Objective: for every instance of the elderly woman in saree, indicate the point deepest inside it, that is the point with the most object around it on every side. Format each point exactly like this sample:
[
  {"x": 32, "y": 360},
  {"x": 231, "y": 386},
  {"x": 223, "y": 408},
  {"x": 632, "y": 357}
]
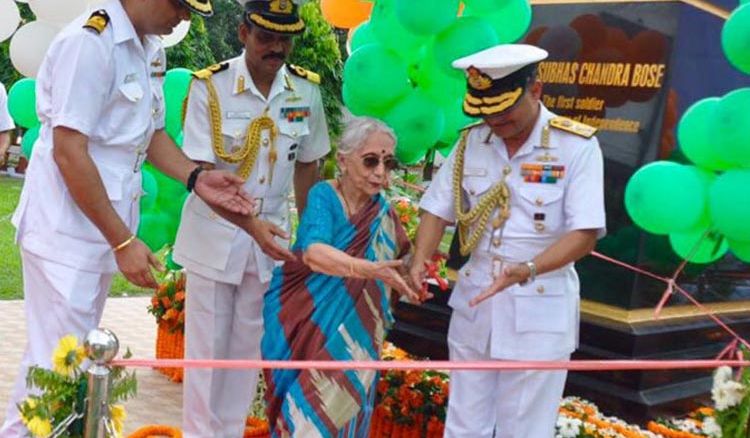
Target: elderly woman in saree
[{"x": 333, "y": 303}]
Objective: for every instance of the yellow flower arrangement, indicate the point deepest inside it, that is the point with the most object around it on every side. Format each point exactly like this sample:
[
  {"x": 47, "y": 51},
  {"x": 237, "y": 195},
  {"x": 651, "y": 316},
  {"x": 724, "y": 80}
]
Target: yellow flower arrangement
[{"x": 59, "y": 402}]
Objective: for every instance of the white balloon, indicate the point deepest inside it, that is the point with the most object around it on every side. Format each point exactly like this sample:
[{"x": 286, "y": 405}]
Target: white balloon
[
  {"x": 57, "y": 11},
  {"x": 9, "y": 19},
  {"x": 29, "y": 45},
  {"x": 177, "y": 35}
]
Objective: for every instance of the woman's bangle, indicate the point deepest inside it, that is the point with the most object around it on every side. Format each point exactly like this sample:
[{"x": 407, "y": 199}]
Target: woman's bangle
[{"x": 124, "y": 244}]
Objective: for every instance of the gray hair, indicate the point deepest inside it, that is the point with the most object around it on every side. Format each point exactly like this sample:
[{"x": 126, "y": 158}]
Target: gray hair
[{"x": 358, "y": 129}]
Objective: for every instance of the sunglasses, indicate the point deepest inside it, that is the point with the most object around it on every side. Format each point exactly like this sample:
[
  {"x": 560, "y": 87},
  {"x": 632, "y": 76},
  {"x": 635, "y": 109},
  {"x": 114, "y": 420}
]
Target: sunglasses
[{"x": 372, "y": 161}]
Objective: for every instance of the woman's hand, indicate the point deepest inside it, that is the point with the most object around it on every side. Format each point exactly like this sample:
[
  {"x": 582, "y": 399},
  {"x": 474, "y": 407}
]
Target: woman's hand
[{"x": 389, "y": 273}]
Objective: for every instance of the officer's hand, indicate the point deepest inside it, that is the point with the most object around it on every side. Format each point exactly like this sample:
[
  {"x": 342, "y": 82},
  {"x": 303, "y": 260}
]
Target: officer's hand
[
  {"x": 418, "y": 279},
  {"x": 135, "y": 262},
  {"x": 388, "y": 272},
  {"x": 511, "y": 275},
  {"x": 264, "y": 232},
  {"x": 224, "y": 190}
]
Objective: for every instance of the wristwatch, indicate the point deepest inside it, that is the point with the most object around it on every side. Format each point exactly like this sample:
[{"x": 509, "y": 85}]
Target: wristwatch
[
  {"x": 532, "y": 272},
  {"x": 193, "y": 178}
]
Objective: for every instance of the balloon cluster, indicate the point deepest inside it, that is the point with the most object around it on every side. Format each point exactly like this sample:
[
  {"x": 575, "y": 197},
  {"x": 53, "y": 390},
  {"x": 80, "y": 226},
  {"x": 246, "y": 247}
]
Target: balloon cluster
[
  {"x": 399, "y": 68},
  {"x": 703, "y": 207},
  {"x": 30, "y": 42}
]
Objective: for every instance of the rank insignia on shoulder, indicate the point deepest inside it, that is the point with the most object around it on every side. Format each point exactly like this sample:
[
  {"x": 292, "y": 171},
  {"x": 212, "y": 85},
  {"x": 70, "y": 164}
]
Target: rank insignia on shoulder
[
  {"x": 98, "y": 21},
  {"x": 572, "y": 126},
  {"x": 304, "y": 73},
  {"x": 210, "y": 70},
  {"x": 472, "y": 125}
]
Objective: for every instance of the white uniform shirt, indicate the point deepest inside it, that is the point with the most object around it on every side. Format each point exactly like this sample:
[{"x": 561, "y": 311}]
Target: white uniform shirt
[
  {"x": 6, "y": 122},
  {"x": 107, "y": 86},
  {"x": 208, "y": 244},
  {"x": 538, "y": 320}
]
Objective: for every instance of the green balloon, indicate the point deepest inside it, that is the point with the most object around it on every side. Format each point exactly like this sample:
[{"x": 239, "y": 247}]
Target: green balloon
[
  {"x": 699, "y": 246},
  {"x": 455, "y": 120},
  {"x": 22, "y": 103},
  {"x": 730, "y": 126},
  {"x": 418, "y": 123},
  {"x": 362, "y": 35},
  {"x": 467, "y": 35},
  {"x": 741, "y": 250},
  {"x": 442, "y": 86},
  {"x": 176, "y": 87},
  {"x": 510, "y": 18},
  {"x": 171, "y": 264},
  {"x": 422, "y": 20},
  {"x": 389, "y": 31},
  {"x": 665, "y": 197},
  {"x": 728, "y": 206},
  {"x": 484, "y": 6},
  {"x": 150, "y": 190},
  {"x": 374, "y": 78},
  {"x": 735, "y": 38},
  {"x": 697, "y": 138},
  {"x": 28, "y": 141},
  {"x": 155, "y": 230}
]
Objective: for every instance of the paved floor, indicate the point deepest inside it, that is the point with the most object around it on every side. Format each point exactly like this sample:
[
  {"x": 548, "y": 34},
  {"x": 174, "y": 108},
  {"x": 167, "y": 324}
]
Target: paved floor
[{"x": 158, "y": 401}]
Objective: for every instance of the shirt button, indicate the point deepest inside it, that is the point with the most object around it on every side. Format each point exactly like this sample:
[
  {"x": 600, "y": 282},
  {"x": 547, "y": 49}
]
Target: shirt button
[
  {"x": 135, "y": 196},
  {"x": 540, "y": 289},
  {"x": 539, "y": 226},
  {"x": 496, "y": 241},
  {"x": 262, "y": 180},
  {"x": 467, "y": 272},
  {"x": 294, "y": 133},
  {"x": 539, "y": 202},
  {"x": 265, "y": 142},
  {"x": 472, "y": 192},
  {"x": 507, "y": 170}
]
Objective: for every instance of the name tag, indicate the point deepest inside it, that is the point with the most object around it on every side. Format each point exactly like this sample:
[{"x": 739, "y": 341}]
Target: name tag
[
  {"x": 245, "y": 115},
  {"x": 475, "y": 171}
]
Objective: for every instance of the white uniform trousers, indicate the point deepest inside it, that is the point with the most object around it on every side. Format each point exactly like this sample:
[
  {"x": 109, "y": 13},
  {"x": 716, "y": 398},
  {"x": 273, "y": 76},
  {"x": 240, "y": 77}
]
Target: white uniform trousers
[
  {"x": 59, "y": 300},
  {"x": 223, "y": 321},
  {"x": 515, "y": 404}
]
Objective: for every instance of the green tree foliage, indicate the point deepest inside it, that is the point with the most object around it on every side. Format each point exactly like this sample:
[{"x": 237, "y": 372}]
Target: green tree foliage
[
  {"x": 222, "y": 29},
  {"x": 193, "y": 52},
  {"x": 317, "y": 49}
]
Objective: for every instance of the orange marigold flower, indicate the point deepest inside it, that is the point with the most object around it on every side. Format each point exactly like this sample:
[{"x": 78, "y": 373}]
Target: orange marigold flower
[
  {"x": 413, "y": 377},
  {"x": 154, "y": 302},
  {"x": 438, "y": 398},
  {"x": 179, "y": 296},
  {"x": 404, "y": 218},
  {"x": 382, "y": 387},
  {"x": 166, "y": 302},
  {"x": 171, "y": 314}
]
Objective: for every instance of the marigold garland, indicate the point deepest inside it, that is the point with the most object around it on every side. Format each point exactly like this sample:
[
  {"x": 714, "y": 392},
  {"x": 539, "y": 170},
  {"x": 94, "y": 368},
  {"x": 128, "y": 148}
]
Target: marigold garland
[
  {"x": 668, "y": 432},
  {"x": 157, "y": 430}
]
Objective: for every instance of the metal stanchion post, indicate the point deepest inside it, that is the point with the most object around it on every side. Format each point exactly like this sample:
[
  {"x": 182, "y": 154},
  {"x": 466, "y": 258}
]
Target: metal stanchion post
[{"x": 101, "y": 347}]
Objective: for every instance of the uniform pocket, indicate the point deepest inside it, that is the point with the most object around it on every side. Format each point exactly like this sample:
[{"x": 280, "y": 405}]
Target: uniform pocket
[
  {"x": 73, "y": 222},
  {"x": 544, "y": 206},
  {"x": 203, "y": 236},
  {"x": 542, "y": 306}
]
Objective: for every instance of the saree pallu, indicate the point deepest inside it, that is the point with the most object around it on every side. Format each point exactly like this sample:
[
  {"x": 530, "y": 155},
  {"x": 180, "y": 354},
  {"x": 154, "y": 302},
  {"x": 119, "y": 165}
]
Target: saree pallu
[{"x": 313, "y": 316}]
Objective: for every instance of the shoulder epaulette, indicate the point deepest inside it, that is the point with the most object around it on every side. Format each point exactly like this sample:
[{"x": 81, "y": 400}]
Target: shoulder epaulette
[
  {"x": 210, "y": 70},
  {"x": 572, "y": 126},
  {"x": 98, "y": 21},
  {"x": 472, "y": 125},
  {"x": 304, "y": 73}
]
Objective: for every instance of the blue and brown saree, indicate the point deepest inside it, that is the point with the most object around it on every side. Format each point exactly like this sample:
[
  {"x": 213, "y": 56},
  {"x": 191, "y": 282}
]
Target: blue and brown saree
[{"x": 313, "y": 316}]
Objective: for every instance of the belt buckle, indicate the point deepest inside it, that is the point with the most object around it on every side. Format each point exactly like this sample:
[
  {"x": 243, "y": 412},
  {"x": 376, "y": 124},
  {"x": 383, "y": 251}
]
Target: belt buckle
[
  {"x": 497, "y": 267},
  {"x": 258, "y": 209}
]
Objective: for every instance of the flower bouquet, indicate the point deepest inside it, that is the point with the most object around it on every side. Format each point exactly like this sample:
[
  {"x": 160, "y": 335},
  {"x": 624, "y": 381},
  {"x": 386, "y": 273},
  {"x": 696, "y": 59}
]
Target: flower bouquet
[
  {"x": 57, "y": 409},
  {"x": 409, "y": 403},
  {"x": 168, "y": 307}
]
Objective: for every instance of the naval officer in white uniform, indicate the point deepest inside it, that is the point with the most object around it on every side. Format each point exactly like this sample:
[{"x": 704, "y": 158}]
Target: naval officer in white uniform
[
  {"x": 525, "y": 189},
  {"x": 264, "y": 120},
  {"x": 100, "y": 103}
]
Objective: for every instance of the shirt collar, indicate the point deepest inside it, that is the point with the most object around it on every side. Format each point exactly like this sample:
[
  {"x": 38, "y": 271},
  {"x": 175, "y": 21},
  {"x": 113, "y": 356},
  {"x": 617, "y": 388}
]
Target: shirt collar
[
  {"x": 243, "y": 81},
  {"x": 122, "y": 27}
]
